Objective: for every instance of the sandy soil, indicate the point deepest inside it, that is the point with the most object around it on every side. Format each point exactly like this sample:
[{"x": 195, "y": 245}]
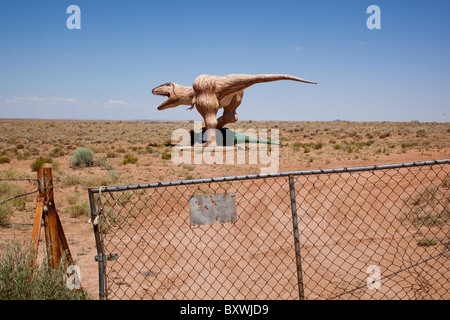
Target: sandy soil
[
  {"x": 343, "y": 228},
  {"x": 166, "y": 258}
]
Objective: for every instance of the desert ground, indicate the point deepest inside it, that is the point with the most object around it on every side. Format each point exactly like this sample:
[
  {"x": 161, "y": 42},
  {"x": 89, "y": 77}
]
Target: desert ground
[{"x": 133, "y": 152}]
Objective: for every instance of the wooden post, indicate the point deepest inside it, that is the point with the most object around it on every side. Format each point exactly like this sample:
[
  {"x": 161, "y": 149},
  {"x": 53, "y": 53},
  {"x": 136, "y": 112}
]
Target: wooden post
[
  {"x": 46, "y": 211},
  {"x": 37, "y": 227}
]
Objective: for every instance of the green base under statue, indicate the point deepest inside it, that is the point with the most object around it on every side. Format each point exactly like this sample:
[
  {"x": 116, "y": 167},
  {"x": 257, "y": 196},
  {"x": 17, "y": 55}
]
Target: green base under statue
[{"x": 225, "y": 137}]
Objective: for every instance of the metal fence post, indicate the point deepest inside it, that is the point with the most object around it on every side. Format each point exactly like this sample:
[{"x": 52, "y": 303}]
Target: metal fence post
[
  {"x": 298, "y": 258},
  {"x": 100, "y": 250}
]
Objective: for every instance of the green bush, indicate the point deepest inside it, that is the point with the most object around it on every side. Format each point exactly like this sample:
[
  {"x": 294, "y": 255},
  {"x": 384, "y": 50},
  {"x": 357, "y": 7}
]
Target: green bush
[
  {"x": 446, "y": 182},
  {"x": 70, "y": 180},
  {"x": 72, "y": 198},
  {"x": 41, "y": 160},
  {"x": 104, "y": 164},
  {"x": 83, "y": 157},
  {"x": 426, "y": 242},
  {"x": 166, "y": 155},
  {"x": 57, "y": 152},
  {"x": 129, "y": 159},
  {"x": 36, "y": 165},
  {"x": 5, "y": 160},
  {"x": 8, "y": 190},
  {"x": 78, "y": 210},
  {"x": 19, "y": 203},
  {"x": 20, "y": 280},
  {"x": 5, "y": 212},
  {"x": 296, "y": 146},
  {"x": 318, "y": 145}
]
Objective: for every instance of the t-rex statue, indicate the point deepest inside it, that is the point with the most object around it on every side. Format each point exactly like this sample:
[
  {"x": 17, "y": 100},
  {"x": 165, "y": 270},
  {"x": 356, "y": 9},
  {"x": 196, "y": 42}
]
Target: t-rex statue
[{"x": 210, "y": 93}]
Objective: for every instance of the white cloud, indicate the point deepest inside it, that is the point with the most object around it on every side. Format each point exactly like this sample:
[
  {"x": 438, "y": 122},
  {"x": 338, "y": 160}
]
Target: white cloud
[
  {"x": 120, "y": 103},
  {"x": 67, "y": 107},
  {"x": 110, "y": 101},
  {"x": 64, "y": 99},
  {"x": 39, "y": 99},
  {"x": 53, "y": 100}
]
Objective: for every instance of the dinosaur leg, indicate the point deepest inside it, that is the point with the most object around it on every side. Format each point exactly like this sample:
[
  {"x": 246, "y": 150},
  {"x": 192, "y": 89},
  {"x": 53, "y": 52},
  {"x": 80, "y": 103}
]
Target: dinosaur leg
[
  {"x": 229, "y": 111},
  {"x": 207, "y": 105},
  {"x": 210, "y": 123}
]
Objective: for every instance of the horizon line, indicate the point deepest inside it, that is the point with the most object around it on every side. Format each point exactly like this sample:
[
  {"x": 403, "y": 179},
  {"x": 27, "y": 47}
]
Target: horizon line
[{"x": 167, "y": 120}]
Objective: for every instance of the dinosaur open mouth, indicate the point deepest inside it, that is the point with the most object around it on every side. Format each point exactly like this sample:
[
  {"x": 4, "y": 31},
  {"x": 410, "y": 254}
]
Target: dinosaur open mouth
[{"x": 166, "y": 102}]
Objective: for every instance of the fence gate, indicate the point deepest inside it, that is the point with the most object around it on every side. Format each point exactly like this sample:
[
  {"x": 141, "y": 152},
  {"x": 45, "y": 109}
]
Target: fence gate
[{"x": 377, "y": 232}]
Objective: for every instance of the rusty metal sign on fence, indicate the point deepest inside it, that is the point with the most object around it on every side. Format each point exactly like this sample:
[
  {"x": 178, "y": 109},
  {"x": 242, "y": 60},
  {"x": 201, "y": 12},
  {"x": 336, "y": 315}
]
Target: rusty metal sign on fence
[{"x": 212, "y": 208}]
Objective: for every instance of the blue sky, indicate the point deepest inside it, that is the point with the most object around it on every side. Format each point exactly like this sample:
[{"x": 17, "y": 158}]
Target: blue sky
[{"x": 106, "y": 70}]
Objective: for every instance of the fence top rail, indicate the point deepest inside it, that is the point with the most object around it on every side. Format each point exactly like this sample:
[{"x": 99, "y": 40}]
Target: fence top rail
[{"x": 269, "y": 175}]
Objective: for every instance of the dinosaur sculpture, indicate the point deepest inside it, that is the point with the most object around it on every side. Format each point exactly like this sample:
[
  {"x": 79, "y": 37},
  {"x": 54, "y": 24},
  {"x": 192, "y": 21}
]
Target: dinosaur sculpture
[{"x": 210, "y": 93}]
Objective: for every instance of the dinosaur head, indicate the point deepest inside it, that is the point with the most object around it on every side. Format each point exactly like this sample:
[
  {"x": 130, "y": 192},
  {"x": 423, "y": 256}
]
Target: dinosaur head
[{"x": 176, "y": 95}]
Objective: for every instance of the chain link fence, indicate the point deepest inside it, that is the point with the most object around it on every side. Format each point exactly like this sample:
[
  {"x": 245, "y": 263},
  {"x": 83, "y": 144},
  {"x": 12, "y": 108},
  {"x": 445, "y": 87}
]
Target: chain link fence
[{"x": 378, "y": 232}]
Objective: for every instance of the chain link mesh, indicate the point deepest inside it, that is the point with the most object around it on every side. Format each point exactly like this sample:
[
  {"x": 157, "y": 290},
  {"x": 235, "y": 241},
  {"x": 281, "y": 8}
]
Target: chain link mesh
[{"x": 364, "y": 234}]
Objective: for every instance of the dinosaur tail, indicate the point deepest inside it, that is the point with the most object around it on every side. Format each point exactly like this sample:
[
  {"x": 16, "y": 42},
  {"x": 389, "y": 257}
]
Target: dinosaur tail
[
  {"x": 237, "y": 82},
  {"x": 242, "y": 138},
  {"x": 259, "y": 78}
]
